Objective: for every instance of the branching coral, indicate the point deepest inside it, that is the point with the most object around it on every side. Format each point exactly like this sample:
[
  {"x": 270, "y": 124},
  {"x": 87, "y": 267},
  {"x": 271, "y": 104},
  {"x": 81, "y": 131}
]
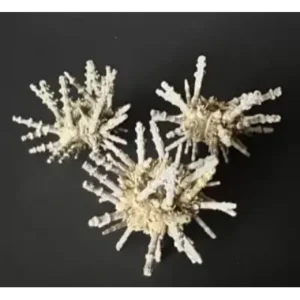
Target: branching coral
[
  {"x": 155, "y": 196},
  {"x": 215, "y": 123},
  {"x": 85, "y": 122}
]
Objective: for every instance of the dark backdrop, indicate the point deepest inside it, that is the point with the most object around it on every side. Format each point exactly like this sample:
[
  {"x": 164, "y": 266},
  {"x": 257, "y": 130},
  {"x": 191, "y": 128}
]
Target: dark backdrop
[{"x": 45, "y": 240}]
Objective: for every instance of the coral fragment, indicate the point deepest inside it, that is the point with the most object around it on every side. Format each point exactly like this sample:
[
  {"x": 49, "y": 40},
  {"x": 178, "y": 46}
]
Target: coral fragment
[
  {"x": 215, "y": 123},
  {"x": 85, "y": 122},
  {"x": 156, "y": 196}
]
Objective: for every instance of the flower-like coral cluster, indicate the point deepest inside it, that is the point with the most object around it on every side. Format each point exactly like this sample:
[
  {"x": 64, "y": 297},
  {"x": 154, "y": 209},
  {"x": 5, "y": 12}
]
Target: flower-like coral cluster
[
  {"x": 215, "y": 123},
  {"x": 156, "y": 196},
  {"x": 85, "y": 122}
]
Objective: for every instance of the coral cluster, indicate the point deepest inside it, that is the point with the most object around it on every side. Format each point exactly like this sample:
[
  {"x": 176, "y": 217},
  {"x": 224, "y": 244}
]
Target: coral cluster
[
  {"x": 87, "y": 121},
  {"x": 156, "y": 196},
  {"x": 208, "y": 120}
]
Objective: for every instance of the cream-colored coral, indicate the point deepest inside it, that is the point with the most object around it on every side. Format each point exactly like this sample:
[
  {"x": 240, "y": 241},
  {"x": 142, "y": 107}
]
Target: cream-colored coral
[
  {"x": 85, "y": 122},
  {"x": 156, "y": 196},
  {"x": 215, "y": 123}
]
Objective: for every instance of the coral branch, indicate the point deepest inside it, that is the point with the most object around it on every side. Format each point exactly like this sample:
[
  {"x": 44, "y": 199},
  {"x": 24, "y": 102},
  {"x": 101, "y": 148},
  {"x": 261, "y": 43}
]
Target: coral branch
[
  {"x": 150, "y": 256},
  {"x": 171, "y": 96},
  {"x": 158, "y": 249},
  {"x": 140, "y": 142},
  {"x": 92, "y": 171},
  {"x": 47, "y": 97},
  {"x": 158, "y": 142},
  {"x": 202, "y": 224},
  {"x": 226, "y": 207},
  {"x": 158, "y": 116},
  {"x": 123, "y": 239},
  {"x": 187, "y": 91},
  {"x": 114, "y": 228},
  {"x": 191, "y": 252},
  {"x": 120, "y": 154},
  {"x": 104, "y": 220},
  {"x": 176, "y": 143},
  {"x": 201, "y": 64}
]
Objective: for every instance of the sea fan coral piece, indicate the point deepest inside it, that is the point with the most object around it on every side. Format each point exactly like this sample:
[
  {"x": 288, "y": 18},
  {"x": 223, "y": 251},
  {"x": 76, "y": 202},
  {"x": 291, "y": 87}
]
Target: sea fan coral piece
[
  {"x": 85, "y": 122},
  {"x": 156, "y": 196},
  {"x": 215, "y": 123}
]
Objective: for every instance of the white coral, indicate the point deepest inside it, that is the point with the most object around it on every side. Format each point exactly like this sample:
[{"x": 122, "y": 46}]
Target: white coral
[
  {"x": 157, "y": 196},
  {"x": 215, "y": 123},
  {"x": 85, "y": 122}
]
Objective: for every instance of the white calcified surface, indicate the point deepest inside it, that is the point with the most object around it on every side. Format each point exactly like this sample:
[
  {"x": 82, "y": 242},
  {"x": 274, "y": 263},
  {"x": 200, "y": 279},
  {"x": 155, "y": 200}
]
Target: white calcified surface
[
  {"x": 215, "y": 123},
  {"x": 85, "y": 122},
  {"x": 156, "y": 196}
]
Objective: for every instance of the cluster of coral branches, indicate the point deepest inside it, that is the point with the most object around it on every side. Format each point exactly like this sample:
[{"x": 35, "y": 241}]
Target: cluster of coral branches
[
  {"x": 160, "y": 195},
  {"x": 157, "y": 196},
  {"x": 208, "y": 120},
  {"x": 85, "y": 122}
]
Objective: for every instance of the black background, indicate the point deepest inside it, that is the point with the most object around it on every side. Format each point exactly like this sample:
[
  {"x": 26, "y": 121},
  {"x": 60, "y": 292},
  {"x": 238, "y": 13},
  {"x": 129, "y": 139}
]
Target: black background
[{"x": 45, "y": 240}]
